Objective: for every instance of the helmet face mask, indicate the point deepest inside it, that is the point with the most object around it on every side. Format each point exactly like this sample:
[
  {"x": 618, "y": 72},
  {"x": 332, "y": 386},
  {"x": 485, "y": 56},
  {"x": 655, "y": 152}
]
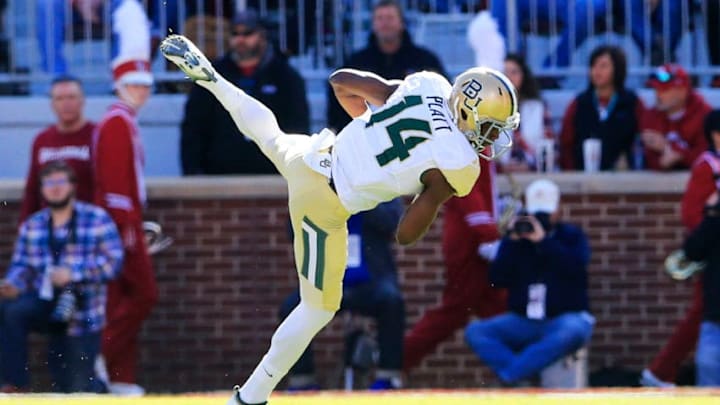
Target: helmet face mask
[{"x": 484, "y": 107}]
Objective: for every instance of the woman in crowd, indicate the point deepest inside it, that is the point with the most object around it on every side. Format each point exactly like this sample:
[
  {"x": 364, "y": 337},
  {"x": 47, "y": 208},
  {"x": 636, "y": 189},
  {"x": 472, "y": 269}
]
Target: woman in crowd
[
  {"x": 533, "y": 130},
  {"x": 607, "y": 111}
]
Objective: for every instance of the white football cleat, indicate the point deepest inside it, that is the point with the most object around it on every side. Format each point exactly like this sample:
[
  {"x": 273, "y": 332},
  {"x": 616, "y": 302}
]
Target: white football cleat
[
  {"x": 182, "y": 52},
  {"x": 235, "y": 399}
]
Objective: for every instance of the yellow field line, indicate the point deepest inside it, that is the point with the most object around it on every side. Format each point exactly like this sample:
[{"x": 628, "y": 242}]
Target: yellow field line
[{"x": 482, "y": 397}]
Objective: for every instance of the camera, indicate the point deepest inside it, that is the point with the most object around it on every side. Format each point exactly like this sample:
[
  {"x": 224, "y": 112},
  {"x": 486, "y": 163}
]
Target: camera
[{"x": 523, "y": 226}]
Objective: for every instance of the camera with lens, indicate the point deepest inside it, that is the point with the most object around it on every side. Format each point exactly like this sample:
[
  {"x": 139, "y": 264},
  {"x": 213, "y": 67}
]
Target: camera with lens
[{"x": 523, "y": 226}]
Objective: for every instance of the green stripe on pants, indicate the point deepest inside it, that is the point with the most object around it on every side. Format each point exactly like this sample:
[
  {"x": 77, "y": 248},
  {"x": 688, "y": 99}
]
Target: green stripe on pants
[{"x": 313, "y": 267}]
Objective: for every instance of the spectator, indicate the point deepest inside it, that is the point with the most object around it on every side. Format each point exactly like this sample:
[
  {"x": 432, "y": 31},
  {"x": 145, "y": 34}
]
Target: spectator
[
  {"x": 701, "y": 186},
  {"x": 606, "y": 110},
  {"x": 533, "y": 129},
  {"x": 390, "y": 53},
  {"x": 672, "y": 131},
  {"x": 543, "y": 263},
  {"x": 579, "y": 14},
  {"x": 119, "y": 188},
  {"x": 128, "y": 24},
  {"x": 67, "y": 140},
  {"x": 370, "y": 287},
  {"x": 64, "y": 257},
  {"x": 211, "y": 143},
  {"x": 703, "y": 244},
  {"x": 469, "y": 223}
]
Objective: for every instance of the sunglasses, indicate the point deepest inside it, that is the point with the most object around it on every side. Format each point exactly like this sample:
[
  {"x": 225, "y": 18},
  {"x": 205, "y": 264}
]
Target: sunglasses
[
  {"x": 55, "y": 182},
  {"x": 245, "y": 33},
  {"x": 663, "y": 76}
]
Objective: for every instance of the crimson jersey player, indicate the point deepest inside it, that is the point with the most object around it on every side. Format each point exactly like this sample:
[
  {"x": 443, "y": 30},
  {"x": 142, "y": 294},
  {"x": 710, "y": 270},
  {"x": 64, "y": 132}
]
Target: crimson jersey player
[
  {"x": 468, "y": 222},
  {"x": 68, "y": 140},
  {"x": 119, "y": 188},
  {"x": 704, "y": 181}
]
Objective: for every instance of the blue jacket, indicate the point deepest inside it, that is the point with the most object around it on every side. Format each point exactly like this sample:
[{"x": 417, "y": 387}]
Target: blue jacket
[{"x": 559, "y": 261}]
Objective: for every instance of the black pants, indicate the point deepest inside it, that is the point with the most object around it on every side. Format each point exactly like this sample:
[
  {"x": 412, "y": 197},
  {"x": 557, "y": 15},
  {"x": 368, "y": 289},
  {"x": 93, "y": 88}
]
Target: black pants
[
  {"x": 381, "y": 300},
  {"x": 70, "y": 358}
]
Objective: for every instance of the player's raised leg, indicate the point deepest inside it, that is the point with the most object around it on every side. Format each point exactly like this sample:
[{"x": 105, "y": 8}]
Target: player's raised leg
[{"x": 251, "y": 116}]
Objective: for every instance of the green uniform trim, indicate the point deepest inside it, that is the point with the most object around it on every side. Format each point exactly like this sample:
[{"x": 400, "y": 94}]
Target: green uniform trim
[{"x": 313, "y": 266}]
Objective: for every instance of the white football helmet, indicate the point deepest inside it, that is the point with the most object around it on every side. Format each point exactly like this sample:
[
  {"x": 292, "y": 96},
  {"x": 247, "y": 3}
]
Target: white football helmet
[{"x": 485, "y": 108}]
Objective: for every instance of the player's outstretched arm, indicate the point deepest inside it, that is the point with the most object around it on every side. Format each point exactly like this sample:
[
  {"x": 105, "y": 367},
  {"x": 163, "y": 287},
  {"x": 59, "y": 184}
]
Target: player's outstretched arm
[
  {"x": 423, "y": 210},
  {"x": 354, "y": 88}
]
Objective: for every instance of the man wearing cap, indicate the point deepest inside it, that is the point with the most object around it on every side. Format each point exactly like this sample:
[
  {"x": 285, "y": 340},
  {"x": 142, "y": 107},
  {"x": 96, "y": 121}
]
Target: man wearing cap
[
  {"x": 672, "y": 131},
  {"x": 543, "y": 264},
  {"x": 704, "y": 181},
  {"x": 119, "y": 188},
  {"x": 210, "y": 142}
]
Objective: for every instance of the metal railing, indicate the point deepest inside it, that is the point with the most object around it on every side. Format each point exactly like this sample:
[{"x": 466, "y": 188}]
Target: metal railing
[{"x": 556, "y": 35}]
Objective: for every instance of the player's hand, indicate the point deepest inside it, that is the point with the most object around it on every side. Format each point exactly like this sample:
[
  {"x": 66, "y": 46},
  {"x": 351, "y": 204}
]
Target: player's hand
[
  {"x": 538, "y": 233},
  {"x": 653, "y": 140},
  {"x": 713, "y": 199},
  {"x": 60, "y": 276},
  {"x": 669, "y": 157},
  {"x": 8, "y": 291}
]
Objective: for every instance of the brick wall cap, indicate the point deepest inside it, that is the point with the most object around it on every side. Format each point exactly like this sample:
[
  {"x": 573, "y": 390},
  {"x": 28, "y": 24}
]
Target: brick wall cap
[{"x": 267, "y": 186}]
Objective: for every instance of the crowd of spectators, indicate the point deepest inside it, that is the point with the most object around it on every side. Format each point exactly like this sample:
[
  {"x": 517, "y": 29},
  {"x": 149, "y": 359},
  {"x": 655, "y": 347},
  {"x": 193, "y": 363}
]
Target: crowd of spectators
[{"x": 528, "y": 287}]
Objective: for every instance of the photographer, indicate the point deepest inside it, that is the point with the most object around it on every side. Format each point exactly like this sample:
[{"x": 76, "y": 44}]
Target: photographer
[
  {"x": 703, "y": 244},
  {"x": 543, "y": 264},
  {"x": 56, "y": 284}
]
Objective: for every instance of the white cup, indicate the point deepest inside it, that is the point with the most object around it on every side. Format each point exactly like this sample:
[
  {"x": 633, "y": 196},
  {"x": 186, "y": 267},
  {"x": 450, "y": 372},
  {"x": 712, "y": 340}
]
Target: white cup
[
  {"x": 592, "y": 148},
  {"x": 545, "y": 156}
]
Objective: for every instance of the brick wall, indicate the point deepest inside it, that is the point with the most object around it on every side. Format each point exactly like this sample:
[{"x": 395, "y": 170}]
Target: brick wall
[{"x": 230, "y": 267}]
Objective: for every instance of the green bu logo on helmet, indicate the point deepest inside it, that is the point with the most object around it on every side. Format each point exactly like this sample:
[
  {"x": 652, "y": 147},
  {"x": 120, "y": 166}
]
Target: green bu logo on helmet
[{"x": 472, "y": 89}]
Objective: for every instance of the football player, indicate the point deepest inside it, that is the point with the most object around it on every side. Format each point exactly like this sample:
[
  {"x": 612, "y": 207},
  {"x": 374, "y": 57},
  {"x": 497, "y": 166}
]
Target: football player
[{"x": 424, "y": 139}]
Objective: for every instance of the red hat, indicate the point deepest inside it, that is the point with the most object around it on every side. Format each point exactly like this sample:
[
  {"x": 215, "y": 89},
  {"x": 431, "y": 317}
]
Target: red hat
[
  {"x": 668, "y": 76},
  {"x": 133, "y": 72}
]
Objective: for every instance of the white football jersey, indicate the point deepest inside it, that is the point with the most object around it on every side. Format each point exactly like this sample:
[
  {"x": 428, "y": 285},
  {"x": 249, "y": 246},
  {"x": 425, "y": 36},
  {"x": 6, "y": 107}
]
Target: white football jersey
[{"x": 382, "y": 155}]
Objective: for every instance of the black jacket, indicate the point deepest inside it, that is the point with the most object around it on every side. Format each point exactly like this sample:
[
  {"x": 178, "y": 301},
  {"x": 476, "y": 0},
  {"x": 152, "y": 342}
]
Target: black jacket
[
  {"x": 211, "y": 143},
  {"x": 410, "y": 58},
  {"x": 703, "y": 244},
  {"x": 617, "y": 132},
  {"x": 559, "y": 261}
]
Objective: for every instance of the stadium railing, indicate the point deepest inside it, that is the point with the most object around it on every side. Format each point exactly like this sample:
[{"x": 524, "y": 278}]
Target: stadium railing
[{"x": 318, "y": 34}]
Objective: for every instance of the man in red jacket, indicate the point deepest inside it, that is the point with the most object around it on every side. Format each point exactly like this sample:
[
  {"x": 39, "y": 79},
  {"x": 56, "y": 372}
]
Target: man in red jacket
[
  {"x": 120, "y": 189},
  {"x": 672, "y": 131},
  {"x": 704, "y": 181},
  {"x": 468, "y": 223},
  {"x": 68, "y": 140}
]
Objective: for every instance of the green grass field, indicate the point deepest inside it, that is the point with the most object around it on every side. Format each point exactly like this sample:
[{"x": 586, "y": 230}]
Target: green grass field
[{"x": 484, "y": 397}]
